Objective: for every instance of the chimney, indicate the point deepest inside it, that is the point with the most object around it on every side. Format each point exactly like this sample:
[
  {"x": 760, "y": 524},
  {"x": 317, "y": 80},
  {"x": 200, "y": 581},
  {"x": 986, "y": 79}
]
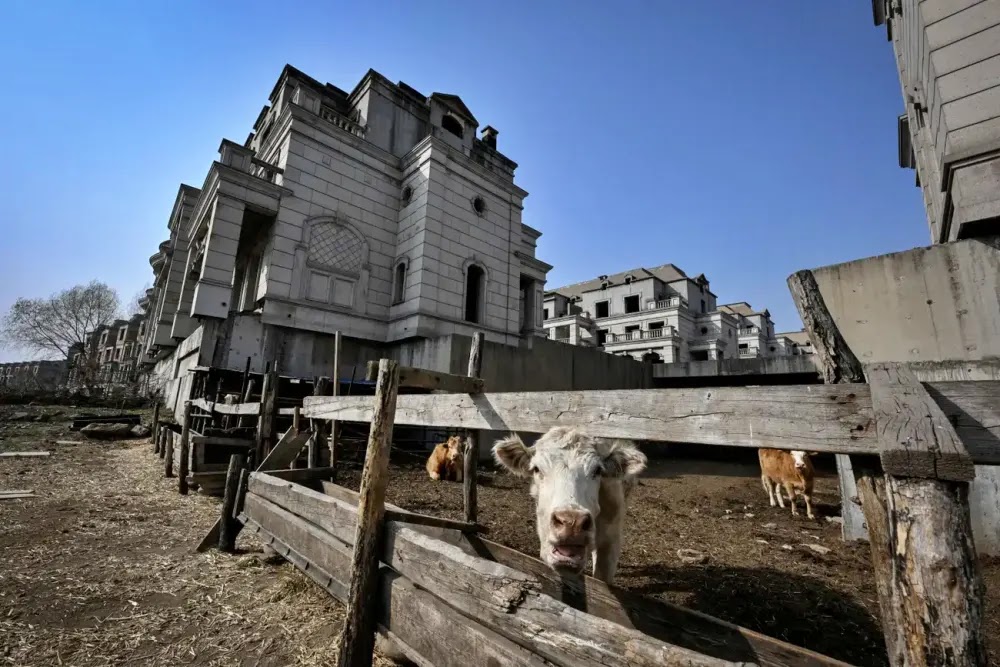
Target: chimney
[{"x": 489, "y": 136}]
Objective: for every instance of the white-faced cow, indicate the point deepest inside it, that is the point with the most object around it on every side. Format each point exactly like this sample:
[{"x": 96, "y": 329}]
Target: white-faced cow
[
  {"x": 792, "y": 470},
  {"x": 580, "y": 485}
]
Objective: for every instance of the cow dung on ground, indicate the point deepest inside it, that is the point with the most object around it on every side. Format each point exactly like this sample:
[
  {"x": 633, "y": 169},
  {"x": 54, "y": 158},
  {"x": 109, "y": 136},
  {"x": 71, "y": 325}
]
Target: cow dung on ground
[{"x": 107, "y": 431}]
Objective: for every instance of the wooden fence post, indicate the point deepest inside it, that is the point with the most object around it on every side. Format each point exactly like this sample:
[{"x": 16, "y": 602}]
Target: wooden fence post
[
  {"x": 919, "y": 526},
  {"x": 265, "y": 420},
  {"x": 358, "y": 638},
  {"x": 471, "y": 459},
  {"x": 334, "y": 427},
  {"x": 320, "y": 386},
  {"x": 185, "y": 451},
  {"x": 230, "y": 498},
  {"x": 155, "y": 425},
  {"x": 168, "y": 455},
  {"x": 158, "y": 443}
]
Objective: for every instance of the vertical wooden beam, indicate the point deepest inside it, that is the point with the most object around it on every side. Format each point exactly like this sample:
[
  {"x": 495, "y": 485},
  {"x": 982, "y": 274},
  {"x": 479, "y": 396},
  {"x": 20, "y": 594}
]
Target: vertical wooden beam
[
  {"x": 229, "y": 526},
  {"x": 185, "y": 451},
  {"x": 265, "y": 421},
  {"x": 471, "y": 458},
  {"x": 168, "y": 455},
  {"x": 154, "y": 431},
  {"x": 928, "y": 576},
  {"x": 358, "y": 638},
  {"x": 334, "y": 427},
  {"x": 158, "y": 443},
  {"x": 919, "y": 530},
  {"x": 296, "y": 425},
  {"x": 321, "y": 385}
]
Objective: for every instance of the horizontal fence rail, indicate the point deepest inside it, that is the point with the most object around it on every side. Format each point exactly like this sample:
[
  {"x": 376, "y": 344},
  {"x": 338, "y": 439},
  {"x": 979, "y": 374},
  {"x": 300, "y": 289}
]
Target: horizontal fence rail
[{"x": 823, "y": 418}]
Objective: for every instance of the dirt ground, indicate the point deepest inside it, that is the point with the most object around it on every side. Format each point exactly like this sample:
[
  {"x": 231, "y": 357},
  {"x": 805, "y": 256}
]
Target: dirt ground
[
  {"x": 761, "y": 572},
  {"x": 99, "y": 569}
]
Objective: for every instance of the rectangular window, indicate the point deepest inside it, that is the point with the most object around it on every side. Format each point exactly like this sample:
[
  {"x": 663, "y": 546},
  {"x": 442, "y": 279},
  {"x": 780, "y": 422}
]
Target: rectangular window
[
  {"x": 632, "y": 304},
  {"x": 601, "y": 309},
  {"x": 703, "y": 306},
  {"x": 343, "y": 292},
  {"x": 602, "y": 337},
  {"x": 545, "y": 313},
  {"x": 655, "y": 325}
]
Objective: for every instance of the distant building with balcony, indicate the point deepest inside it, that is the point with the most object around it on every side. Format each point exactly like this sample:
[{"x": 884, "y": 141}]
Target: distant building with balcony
[
  {"x": 32, "y": 376},
  {"x": 662, "y": 315},
  {"x": 382, "y": 213},
  {"x": 110, "y": 353}
]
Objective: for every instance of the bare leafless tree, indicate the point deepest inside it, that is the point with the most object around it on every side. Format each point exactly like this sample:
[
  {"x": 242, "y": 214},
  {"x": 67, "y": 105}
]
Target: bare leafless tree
[{"x": 51, "y": 326}]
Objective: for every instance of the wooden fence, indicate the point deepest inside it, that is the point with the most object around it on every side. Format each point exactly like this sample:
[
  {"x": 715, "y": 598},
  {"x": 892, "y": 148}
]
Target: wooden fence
[{"x": 448, "y": 596}]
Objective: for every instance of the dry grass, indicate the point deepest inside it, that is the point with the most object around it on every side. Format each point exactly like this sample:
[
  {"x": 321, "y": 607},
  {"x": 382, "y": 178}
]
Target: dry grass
[{"x": 100, "y": 569}]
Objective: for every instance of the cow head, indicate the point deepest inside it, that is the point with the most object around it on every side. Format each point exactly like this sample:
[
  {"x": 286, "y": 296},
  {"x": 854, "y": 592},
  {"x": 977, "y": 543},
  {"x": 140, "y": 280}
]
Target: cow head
[
  {"x": 800, "y": 458},
  {"x": 455, "y": 446},
  {"x": 566, "y": 470}
]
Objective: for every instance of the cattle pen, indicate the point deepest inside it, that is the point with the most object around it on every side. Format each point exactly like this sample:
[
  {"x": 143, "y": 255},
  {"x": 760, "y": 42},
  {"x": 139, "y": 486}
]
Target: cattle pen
[{"x": 445, "y": 595}]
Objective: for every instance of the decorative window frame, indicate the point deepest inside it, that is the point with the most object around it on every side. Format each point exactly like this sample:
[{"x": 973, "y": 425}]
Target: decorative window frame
[
  {"x": 351, "y": 287},
  {"x": 402, "y": 261}
]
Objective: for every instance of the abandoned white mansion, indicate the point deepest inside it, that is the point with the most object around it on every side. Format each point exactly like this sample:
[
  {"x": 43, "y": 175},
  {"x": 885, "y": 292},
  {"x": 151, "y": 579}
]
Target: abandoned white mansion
[
  {"x": 378, "y": 213},
  {"x": 662, "y": 315}
]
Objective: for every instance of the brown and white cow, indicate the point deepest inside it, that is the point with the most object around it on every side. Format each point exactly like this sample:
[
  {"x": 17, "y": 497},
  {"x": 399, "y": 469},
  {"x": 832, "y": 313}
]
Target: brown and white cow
[
  {"x": 446, "y": 461},
  {"x": 792, "y": 470},
  {"x": 580, "y": 486}
]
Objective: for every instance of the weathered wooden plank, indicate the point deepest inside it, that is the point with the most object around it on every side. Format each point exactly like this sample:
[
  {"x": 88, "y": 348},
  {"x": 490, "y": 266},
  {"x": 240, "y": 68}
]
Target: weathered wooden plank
[
  {"x": 813, "y": 417},
  {"x": 823, "y": 418},
  {"x": 220, "y": 440},
  {"x": 358, "y": 637},
  {"x": 279, "y": 458},
  {"x": 926, "y": 570},
  {"x": 439, "y": 634},
  {"x": 16, "y": 494},
  {"x": 335, "y": 513},
  {"x": 23, "y": 455},
  {"x": 252, "y": 409},
  {"x": 420, "y": 378},
  {"x": 915, "y": 437},
  {"x": 394, "y": 513},
  {"x": 300, "y": 475},
  {"x": 185, "y": 451},
  {"x": 155, "y": 425},
  {"x": 228, "y": 526},
  {"x": 168, "y": 456},
  {"x": 505, "y": 600},
  {"x": 837, "y": 362},
  {"x": 470, "y": 461}
]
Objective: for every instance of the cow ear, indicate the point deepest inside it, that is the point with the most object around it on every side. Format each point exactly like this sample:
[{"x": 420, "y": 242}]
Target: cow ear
[
  {"x": 624, "y": 460},
  {"x": 513, "y": 455}
]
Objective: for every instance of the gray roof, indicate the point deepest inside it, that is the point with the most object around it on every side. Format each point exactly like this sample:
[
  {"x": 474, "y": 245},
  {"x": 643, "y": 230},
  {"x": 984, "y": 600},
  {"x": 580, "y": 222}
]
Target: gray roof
[{"x": 668, "y": 273}]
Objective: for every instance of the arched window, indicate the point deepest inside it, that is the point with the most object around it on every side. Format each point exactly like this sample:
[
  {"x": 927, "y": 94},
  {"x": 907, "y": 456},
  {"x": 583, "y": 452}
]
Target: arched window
[
  {"x": 453, "y": 125},
  {"x": 399, "y": 282},
  {"x": 336, "y": 255},
  {"x": 475, "y": 284}
]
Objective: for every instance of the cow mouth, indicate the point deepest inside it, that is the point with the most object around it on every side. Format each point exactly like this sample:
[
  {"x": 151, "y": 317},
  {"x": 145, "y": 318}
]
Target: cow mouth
[{"x": 568, "y": 556}]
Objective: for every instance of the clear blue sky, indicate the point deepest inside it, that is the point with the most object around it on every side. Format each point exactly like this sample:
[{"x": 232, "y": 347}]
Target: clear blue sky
[{"x": 745, "y": 140}]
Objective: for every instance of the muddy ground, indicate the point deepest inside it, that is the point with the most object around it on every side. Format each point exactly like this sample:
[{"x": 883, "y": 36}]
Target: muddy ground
[{"x": 99, "y": 569}]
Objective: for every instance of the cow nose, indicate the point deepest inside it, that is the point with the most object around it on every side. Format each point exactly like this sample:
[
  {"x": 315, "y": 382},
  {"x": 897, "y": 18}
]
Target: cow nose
[{"x": 569, "y": 523}]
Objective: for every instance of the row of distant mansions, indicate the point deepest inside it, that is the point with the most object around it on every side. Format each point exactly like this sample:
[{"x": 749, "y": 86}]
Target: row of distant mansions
[{"x": 381, "y": 214}]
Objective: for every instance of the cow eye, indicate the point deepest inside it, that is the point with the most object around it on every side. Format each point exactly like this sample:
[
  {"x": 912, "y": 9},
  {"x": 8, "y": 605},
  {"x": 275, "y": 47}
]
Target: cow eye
[{"x": 534, "y": 470}]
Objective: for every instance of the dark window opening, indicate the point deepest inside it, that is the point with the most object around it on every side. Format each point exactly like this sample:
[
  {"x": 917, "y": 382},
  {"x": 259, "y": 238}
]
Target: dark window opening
[
  {"x": 699, "y": 355},
  {"x": 474, "y": 280},
  {"x": 704, "y": 330},
  {"x": 545, "y": 313},
  {"x": 652, "y": 358},
  {"x": 703, "y": 306},
  {"x": 602, "y": 337},
  {"x": 479, "y": 205},
  {"x": 655, "y": 325},
  {"x": 744, "y": 346},
  {"x": 601, "y": 309},
  {"x": 631, "y": 328},
  {"x": 399, "y": 283},
  {"x": 772, "y": 349},
  {"x": 632, "y": 304},
  {"x": 407, "y": 194},
  {"x": 453, "y": 125}
]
